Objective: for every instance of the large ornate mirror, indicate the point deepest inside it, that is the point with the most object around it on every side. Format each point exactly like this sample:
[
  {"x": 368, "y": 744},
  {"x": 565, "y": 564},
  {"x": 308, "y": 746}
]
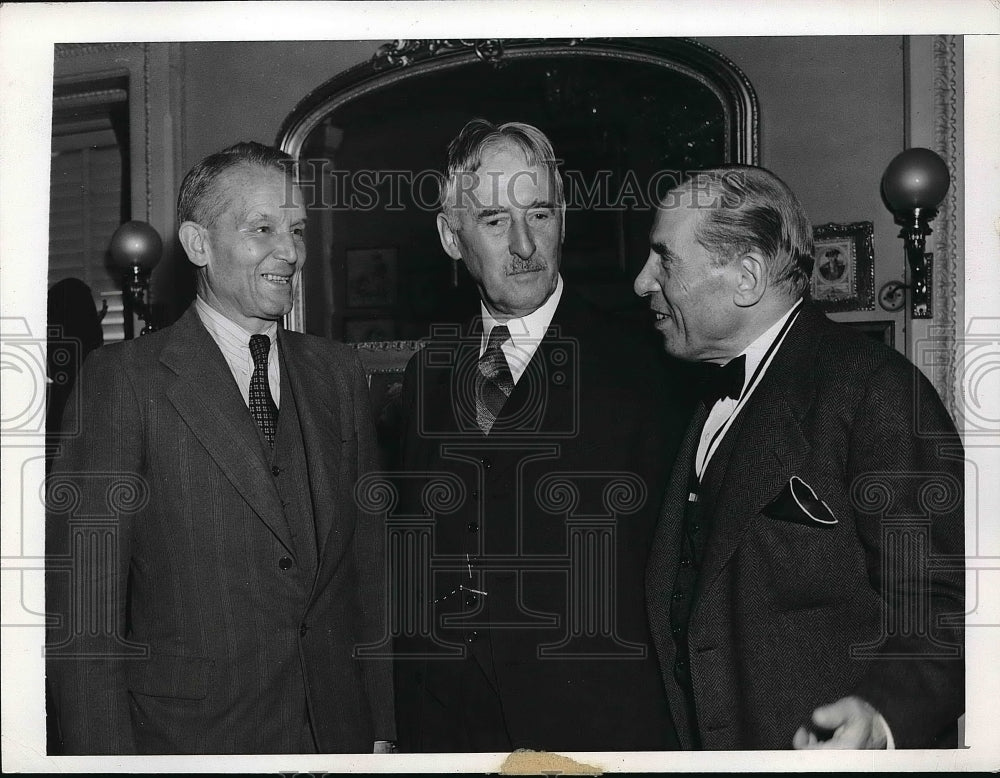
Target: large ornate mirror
[{"x": 622, "y": 114}]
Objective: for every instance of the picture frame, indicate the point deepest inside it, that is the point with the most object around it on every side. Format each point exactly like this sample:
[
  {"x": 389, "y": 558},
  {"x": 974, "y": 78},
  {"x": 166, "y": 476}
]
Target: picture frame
[
  {"x": 372, "y": 277},
  {"x": 384, "y": 364},
  {"x": 843, "y": 277}
]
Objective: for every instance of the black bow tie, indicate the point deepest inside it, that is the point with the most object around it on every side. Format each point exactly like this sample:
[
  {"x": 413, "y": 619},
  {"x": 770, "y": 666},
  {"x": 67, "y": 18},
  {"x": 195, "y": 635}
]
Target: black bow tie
[{"x": 719, "y": 382}]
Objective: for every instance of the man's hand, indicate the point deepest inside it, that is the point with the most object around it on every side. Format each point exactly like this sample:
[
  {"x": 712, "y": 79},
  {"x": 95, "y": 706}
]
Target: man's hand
[{"x": 853, "y": 722}]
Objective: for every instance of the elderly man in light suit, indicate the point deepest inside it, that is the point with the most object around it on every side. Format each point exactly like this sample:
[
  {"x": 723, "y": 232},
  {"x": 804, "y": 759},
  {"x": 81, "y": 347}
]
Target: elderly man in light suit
[
  {"x": 241, "y": 577},
  {"x": 805, "y": 587}
]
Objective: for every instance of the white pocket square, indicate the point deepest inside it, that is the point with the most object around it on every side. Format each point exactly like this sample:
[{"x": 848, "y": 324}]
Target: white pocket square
[{"x": 797, "y": 502}]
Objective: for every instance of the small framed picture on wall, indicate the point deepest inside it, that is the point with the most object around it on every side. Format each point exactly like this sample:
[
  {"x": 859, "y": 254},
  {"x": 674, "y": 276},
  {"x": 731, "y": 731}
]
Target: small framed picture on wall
[
  {"x": 843, "y": 277},
  {"x": 372, "y": 277}
]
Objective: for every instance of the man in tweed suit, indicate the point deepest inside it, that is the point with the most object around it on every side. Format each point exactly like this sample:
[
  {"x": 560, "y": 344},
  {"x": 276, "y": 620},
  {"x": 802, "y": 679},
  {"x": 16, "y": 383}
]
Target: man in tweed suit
[
  {"x": 805, "y": 587},
  {"x": 233, "y": 585}
]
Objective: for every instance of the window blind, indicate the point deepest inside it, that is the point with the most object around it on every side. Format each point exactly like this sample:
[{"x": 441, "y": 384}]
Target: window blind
[{"x": 87, "y": 198}]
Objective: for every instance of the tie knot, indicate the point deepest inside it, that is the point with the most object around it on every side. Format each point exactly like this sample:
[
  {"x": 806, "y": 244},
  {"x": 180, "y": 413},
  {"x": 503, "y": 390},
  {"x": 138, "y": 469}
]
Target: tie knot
[
  {"x": 498, "y": 336},
  {"x": 725, "y": 381},
  {"x": 259, "y": 346}
]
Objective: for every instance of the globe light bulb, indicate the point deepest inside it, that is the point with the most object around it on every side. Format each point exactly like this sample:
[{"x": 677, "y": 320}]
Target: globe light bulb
[
  {"x": 916, "y": 178},
  {"x": 136, "y": 243}
]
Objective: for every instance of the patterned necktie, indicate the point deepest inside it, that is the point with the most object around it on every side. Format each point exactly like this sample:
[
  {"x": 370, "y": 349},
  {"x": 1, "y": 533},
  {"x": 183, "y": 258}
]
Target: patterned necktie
[
  {"x": 494, "y": 382},
  {"x": 262, "y": 406}
]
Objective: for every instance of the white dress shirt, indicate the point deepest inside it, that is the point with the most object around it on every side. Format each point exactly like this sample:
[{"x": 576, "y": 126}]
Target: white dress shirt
[
  {"x": 759, "y": 355},
  {"x": 526, "y": 332},
  {"x": 234, "y": 342}
]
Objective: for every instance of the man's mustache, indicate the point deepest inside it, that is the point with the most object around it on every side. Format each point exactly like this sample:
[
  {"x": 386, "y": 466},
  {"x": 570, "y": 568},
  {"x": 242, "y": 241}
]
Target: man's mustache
[{"x": 529, "y": 265}]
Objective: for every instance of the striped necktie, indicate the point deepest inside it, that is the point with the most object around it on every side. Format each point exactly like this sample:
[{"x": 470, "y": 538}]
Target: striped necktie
[{"x": 494, "y": 383}]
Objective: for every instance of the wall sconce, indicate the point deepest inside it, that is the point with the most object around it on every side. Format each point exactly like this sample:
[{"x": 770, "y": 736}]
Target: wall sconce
[
  {"x": 135, "y": 249},
  {"x": 913, "y": 186}
]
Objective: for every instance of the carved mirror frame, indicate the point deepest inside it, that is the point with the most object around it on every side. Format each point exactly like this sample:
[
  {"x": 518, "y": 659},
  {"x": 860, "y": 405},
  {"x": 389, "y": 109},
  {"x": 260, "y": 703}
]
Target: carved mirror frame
[{"x": 401, "y": 60}]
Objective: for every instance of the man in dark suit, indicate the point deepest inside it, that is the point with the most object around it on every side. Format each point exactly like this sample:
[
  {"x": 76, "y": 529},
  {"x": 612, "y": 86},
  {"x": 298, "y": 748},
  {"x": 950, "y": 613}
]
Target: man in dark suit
[
  {"x": 535, "y": 440},
  {"x": 805, "y": 587},
  {"x": 218, "y": 574}
]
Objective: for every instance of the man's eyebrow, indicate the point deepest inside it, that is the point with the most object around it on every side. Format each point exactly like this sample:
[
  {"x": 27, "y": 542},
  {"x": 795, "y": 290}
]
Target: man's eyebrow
[
  {"x": 662, "y": 250},
  {"x": 489, "y": 213},
  {"x": 256, "y": 214}
]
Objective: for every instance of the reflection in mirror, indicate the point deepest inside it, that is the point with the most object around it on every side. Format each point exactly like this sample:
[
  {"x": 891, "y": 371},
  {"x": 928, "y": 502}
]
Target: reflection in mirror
[{"x": 623, "y": 116}]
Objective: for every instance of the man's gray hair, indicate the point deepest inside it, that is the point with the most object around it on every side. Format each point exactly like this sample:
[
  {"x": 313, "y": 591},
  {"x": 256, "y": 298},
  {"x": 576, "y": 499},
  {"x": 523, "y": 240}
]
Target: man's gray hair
[
  {"x": 199, "y": 200},
  {"x": 749, "y": 208},
  {"x": 466, "y": 151}
]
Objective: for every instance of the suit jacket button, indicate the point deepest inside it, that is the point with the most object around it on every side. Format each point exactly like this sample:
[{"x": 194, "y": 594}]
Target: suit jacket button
[
  {"x": 303, "y": 629},
  {"x": 475, "y": 495},
  {"x": 473, "y": 526},
  {"x": 486, "y": 463},
  {"x": 471, "y": 637},
  {"x": 285, "y": 563},
  {"x": 471, "y": 600},
  {"x": 275, "y": 470}
]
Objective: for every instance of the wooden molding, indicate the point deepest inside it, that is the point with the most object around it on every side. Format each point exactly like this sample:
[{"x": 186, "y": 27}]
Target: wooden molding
[{"x": 949, "y": 264}]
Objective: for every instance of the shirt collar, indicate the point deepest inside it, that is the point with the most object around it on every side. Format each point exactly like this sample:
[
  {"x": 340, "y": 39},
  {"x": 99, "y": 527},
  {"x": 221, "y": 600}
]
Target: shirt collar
[
  {"x": 758, "y": 350},
  {"x": 525, "y": 331},
  {"x": 228, "y": 334}
]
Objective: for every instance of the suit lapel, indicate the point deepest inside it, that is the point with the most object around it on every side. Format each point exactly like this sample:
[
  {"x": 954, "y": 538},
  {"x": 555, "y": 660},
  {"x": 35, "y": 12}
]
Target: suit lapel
[
  {"x": 207, "y": 398},
  {"x": 661, "y": 569},
  {"x": 767, "y": 447},
  {"x": 322, "y": 401}
]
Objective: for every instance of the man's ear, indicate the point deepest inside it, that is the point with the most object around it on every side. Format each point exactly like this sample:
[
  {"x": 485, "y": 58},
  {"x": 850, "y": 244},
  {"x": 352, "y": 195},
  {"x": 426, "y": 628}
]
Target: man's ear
[
  {"x": 562, "y": 213},
  {"x": 751, "y": 279},
  {"x": 449, "y": 239},
  {"x": 194, "y": 239}
]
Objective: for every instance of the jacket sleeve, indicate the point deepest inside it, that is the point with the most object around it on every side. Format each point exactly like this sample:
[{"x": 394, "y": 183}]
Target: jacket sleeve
[
  {"x": 907, "y": 479},
  {"x": 370, "y": 558},
  {"x": 94, "y": 494}
]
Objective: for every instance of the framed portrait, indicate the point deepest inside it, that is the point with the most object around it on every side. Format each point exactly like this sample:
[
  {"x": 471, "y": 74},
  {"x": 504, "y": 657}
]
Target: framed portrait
[
  {"x": 843, "y": 277},
  {"x": 372, "y": 277},
  {"x": 883, "y": 331}
]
